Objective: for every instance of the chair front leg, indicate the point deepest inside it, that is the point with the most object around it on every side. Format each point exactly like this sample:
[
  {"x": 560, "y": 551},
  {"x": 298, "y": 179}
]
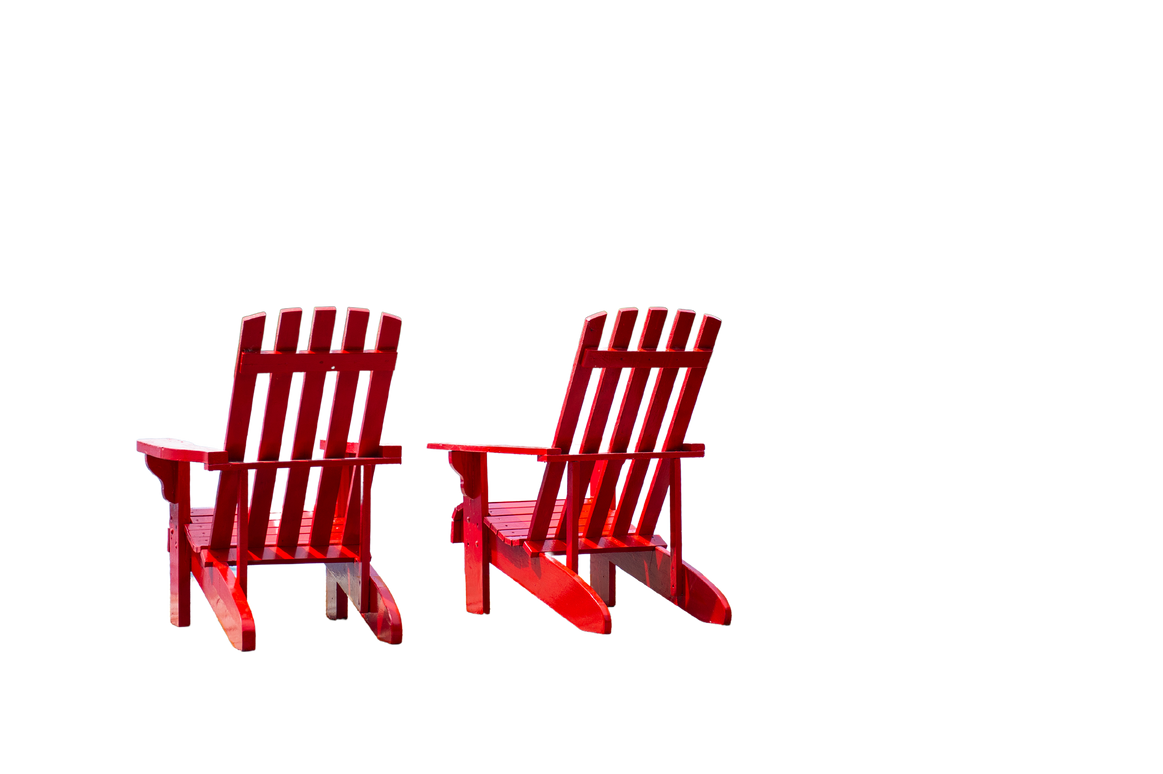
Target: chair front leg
[
  {"x": 472, "y": 468},
  {"x": 175, "y": 481}
]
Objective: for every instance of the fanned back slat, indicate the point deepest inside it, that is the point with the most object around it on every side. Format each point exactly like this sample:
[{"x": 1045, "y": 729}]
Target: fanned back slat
[
  {"x": 322, "y": 327},
  {"x": 342, "y": 403},
  {"x": 627, "y": 415},
  {"x": 273, "y": 421},
  {"x": 387, "y": 339},
  {"x": 237, "y": 425},
  {"x": 676, "y": 433},
  {"x": 566, "y": 425},
  {"x": 600, "y": 409},
  {"x": 679, "y": 333}
]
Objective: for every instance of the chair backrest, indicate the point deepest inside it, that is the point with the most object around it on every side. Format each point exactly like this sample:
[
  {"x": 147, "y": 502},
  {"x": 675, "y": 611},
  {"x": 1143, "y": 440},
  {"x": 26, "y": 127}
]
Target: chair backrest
[
  {"x": 315, "y": 362},
  {"x": 611, "y": 362}
]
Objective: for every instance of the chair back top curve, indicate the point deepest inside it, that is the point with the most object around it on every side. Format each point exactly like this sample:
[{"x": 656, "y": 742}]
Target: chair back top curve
[
  {"x": 639, "y": 363},
  {"x": 282, "y": 363}
]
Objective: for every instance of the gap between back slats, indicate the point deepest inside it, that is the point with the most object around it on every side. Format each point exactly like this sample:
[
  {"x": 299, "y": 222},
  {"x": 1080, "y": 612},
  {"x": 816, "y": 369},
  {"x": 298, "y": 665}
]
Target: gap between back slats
[
  {"x": 291, "y": 413},
  {"x": 634, "y": 409}
]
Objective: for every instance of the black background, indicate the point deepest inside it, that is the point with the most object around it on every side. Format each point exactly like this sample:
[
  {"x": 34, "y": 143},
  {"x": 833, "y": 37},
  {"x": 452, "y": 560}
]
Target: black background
[{"x": 485, "y": 353}]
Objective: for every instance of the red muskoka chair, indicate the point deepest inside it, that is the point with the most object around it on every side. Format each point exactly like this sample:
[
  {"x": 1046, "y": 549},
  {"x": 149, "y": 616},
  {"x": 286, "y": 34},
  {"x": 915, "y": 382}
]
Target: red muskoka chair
[
  {"x": 242, "y": 530},
  {"x": 517, "y": 537}
]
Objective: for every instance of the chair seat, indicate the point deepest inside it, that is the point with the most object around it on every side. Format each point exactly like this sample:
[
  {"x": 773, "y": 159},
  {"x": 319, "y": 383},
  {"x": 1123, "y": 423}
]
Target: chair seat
[
  {"x": 201, "y": 520},
  {"x": 510, "y": 520}
]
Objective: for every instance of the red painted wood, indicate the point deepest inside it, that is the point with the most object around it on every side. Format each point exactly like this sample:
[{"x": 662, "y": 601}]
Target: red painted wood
[
  {"x": 518, "y": 536},
  {"x": 342, "y": 404},
  {"x": 205, "y": 542},
  {"x": 273, "y": 421},
  {"x": 698, "y": 596},
  {"x": 684, "y": 406},
  {"x": 651, "y": 334},
  {"x": 227, "y": 600},
  {"x": 306, "y": 424},
  {"x": 571, "y": 407},
  {"x": 379, "y": 385},
  {"x": 603, "y": 400},
  {"x": 655, "y": 412},
  {"x": 237, "y": 428},
  {"x": 573, "y": 506},
  {"x": 312, "y": 362},
  {"x": 180, "y": 451},
  {"x": 554, "y": 584},
  {"x": 676, "y": 581},
  {"x": 473, "y": 471},
  {"x": 179, "y": 547}
]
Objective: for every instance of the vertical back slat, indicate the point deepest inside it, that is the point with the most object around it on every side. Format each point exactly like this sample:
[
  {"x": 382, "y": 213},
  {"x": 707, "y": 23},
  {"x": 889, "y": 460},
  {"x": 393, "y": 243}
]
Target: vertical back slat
[
  {"x": 237, "y": 426},
  {"x": 322, "y": 327},
  {"x": 566, "y": 425},
  {"x": 387, "y": 339},
  {"x": 676, "y": 433},
  {"x": 656, "y": 410},
  {"x": 273, "y": 421},
  {"x": 628, "y": 414},
  {"x": 600, "y": 413},
  {"x": 379, "y": 385},
  {"x": 342, "y": 403}
]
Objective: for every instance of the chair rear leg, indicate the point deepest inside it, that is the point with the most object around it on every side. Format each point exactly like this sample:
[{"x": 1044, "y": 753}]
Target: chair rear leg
[
  {"x": 336, "y": 599},
  {"x": 602, "y": 578},
  {"x": 384, "y": 615},
  {"x": 695, "y": 594}
]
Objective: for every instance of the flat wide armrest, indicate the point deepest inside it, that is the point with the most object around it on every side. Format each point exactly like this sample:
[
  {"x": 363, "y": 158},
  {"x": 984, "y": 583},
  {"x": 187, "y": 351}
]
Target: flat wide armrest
[
  {"x": 540, "y": 451},
  {"x": 180, "y": 451}
]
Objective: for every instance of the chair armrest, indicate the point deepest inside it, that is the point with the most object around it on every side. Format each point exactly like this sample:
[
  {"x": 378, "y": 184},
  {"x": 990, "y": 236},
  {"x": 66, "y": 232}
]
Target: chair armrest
[
  {"x": 540, "y": 451},
  {"x": 180, "y": 451},
  {"x": 621, "y": 456},
  {"x": 376, "y": 451}
]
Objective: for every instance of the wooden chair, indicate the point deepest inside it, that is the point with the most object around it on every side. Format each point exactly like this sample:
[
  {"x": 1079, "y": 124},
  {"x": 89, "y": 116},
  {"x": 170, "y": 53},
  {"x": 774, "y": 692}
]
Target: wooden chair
[
  {"x": 518, "y": 537},
  {"x": 241, "y": 530}
]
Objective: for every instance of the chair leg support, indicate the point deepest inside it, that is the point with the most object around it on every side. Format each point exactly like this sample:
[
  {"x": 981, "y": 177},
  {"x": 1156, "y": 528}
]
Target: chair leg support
[
  {"x": 179, "y": 577},
  {"x": 383, "y": 615},
  {"x": 695, "y": 594},
  {"x": 602, "y": 578},
  {"x": 336, "y": 599},
  {"x": 225, "y": 596},
  {"x": 555, "y": 585}
]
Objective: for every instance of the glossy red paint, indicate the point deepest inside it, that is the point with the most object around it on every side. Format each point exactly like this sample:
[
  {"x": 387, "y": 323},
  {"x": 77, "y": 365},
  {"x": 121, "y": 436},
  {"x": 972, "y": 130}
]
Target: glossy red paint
[
  {"x": 518, "y": 537},
  {"x": 241, "y": 530}
]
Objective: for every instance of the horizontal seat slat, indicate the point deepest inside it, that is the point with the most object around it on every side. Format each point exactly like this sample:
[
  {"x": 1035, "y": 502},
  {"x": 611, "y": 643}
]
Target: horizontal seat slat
[
  {"x": 605, "y": 545},
  {"x": 201, "y": 520},
  {"x": 276, "y": 555},
  {"x": 509, "y": 521}
]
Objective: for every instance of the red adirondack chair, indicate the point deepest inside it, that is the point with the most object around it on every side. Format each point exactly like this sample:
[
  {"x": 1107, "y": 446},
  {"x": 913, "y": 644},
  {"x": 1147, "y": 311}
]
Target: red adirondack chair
[
  {"x": 241, "y": 530},
  {"x": 518, "y": 537}
]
